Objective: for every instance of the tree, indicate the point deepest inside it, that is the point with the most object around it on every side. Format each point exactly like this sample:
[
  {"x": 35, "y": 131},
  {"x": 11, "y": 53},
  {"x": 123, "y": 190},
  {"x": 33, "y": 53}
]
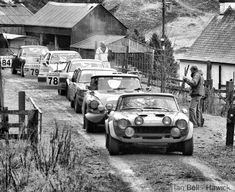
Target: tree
[{"x": 164, "y": 63}]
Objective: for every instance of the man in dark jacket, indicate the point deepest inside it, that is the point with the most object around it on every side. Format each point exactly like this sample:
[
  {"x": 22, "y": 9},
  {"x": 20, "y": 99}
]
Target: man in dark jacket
[{"x": 197, "y": 91}]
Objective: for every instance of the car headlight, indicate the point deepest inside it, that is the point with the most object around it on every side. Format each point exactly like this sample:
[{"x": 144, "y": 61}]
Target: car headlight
[
  {"x": 123, "y": 123},
  {"x": 139, "y": 120},
  {"x": 181, "y": 124},
  {"x": 94, "y": 104},
  {"x": 166, "y": 120}
]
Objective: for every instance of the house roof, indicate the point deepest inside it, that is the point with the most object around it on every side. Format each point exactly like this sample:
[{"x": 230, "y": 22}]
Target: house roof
[
  {"x": 90, "y": 42},
  {"x": 217, "y": 41},
  {"x": 62, "y": 15},
  {"x": 14, "y": 14}
]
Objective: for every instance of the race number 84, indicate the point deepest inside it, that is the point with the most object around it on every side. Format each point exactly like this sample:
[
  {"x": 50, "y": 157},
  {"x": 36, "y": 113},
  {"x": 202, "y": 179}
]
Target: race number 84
[
  {"x": 5, "y": 62},
  {"x": 53, "y": 81}
]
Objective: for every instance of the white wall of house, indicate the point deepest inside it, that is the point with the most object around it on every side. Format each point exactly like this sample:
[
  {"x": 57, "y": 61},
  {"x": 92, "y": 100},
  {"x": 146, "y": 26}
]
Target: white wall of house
[{"x": 226, "y": 71}]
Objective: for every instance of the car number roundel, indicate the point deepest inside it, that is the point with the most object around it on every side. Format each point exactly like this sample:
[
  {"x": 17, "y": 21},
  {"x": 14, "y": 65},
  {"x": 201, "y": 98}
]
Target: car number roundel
[
  {"x": 53, "y": 79},
  {"x": 6, "y": 61}
]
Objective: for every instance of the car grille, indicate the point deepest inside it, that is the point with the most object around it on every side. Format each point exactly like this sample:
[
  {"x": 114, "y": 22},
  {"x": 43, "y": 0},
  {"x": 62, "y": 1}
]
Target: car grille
[{"x": 156, "y": 130}]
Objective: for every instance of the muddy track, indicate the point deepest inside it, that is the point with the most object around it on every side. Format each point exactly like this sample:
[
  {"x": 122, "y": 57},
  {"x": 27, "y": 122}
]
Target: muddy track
[{"x": 143, "y": 168}]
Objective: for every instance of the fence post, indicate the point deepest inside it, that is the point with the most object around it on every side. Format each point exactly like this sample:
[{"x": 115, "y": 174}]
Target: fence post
[
  {"x": 21, "y": 108},
  {"x": 230, "y": 127},
  {"x": 33, "y": 127}
]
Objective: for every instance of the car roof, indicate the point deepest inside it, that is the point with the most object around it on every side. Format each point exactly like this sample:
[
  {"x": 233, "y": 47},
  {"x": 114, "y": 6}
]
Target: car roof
[
  {"x": 86, "y": 60},
  {"x": 63, "y": 51},
  {"x": 147, "y": 94},
  {"x": 39, "y": 46},
  {"x": 97, "y": 69},
  {"x": 116, "y": 75}
]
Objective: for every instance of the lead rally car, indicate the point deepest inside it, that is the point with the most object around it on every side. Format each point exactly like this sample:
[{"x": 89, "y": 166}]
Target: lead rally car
[{"x": 148, "y": 119}]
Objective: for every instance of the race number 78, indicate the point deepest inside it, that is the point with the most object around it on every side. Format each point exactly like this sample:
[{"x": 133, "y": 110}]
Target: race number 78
[{"x": 53, "y": 81}]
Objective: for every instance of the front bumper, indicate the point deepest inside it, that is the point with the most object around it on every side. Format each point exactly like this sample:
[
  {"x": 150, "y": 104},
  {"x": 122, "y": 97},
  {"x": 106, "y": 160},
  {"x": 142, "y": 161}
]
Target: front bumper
[
  {"x": 151, "y": 139},
  {"x": 96, "y": 117}
]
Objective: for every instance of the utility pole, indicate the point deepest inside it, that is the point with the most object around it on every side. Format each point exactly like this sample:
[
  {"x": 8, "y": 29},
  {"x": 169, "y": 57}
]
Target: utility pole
[{"x": 163, "y": 76}]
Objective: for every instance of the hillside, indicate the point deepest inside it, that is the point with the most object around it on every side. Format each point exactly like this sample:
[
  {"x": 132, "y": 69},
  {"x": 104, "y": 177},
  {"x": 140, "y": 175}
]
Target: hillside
[{"x": 184, "y": 24}]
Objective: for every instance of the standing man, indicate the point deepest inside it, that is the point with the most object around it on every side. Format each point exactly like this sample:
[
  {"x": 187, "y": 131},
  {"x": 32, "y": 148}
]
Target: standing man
[
  {"x": 102, "y": 54},
  {"x": 197, "y": 91}
]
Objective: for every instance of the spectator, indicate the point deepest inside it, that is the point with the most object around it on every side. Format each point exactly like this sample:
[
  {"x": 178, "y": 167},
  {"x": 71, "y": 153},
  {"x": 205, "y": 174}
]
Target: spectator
[
  {"x": 102, "y": 54},
  {"x": 197, "y": 91}
]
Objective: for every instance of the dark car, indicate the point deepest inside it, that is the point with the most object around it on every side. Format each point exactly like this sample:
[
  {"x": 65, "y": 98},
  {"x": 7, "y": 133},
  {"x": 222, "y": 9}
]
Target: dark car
[
  {"x": 77, "y": 85},
  {"x": 27, "y": 55},
  {"x": 70, "y": 67}
]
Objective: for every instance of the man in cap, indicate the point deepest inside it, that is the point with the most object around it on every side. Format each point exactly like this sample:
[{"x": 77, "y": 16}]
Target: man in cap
[{"x": 197, "y": 91}]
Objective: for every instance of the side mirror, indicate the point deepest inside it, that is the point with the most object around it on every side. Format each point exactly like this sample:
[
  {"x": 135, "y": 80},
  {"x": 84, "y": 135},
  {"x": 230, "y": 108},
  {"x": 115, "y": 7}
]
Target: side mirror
[
  {"x": 73, "y": 80},
  {"x": 149, "y": 88},
  {"x": 184, "y": 110}
]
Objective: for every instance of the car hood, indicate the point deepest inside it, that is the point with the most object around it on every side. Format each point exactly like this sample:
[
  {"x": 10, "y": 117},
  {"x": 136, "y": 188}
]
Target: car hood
[{"x": 109, "y": 96}]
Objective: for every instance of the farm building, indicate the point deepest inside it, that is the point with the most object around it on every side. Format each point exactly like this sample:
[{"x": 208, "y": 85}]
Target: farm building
[
  {"x": 13, "y": 17},
  {"x": 216, "y": 44},
  {"x": 61, "y": 25}
]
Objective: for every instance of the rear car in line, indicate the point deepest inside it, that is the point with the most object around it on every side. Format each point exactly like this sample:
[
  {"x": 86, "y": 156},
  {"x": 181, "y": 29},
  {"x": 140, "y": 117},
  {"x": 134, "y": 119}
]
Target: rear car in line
[
  {"x": 149, "y": 119},
  {"x": 67, "y": 73},
  {"x": 28, "y": 59}
]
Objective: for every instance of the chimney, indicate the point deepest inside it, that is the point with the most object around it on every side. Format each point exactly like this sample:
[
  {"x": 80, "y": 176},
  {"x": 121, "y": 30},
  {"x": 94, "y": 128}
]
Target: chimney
[{"x": 225, "y": 4}]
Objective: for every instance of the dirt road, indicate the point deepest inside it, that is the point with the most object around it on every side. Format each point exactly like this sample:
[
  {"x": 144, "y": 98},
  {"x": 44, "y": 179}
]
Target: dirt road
[{"x": 142, "y": 169}]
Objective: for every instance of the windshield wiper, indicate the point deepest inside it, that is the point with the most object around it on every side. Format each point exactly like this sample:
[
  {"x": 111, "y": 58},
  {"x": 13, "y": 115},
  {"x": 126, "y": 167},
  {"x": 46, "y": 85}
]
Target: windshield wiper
[
  {"x": 152, "y": 107},
  {"x": 119, "y": 88}
]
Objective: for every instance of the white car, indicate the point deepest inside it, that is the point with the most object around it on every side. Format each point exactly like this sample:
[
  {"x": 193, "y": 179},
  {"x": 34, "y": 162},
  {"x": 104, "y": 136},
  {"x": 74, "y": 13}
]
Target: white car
[
  {"x": 150, "y": 119},
  {"x": 57, "y": 60}
]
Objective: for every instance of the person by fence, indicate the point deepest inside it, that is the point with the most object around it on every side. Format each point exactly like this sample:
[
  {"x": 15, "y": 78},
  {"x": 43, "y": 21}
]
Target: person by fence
[
  {"x": 102, "y": 54},
  {"x": 197, "y": 91}
]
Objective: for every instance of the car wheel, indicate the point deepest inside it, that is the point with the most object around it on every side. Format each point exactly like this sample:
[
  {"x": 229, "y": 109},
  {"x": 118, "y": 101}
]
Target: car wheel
[
  {"x": 113, "y": 146},
  {"x": 67, "y": 94},
  {"x": 72, "y": 104},
  {"x": 106, "y": 140},
  {"x": 187, "y": 148},
  {"x": 13, "y": 71},
  {"x": 59, "y": 91},
  {"x": 77, "y": 107},
  {"x": 88, "y": 125},
  {"x": 22, "y": 71}
]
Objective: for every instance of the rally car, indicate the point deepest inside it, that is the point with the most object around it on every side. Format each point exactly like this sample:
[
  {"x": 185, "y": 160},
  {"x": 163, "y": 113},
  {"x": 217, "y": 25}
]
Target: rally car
[
  {"x": 152, "y": 119},
  {"x": 105, "y": 89},
  {"x": 28, "y": 59}
]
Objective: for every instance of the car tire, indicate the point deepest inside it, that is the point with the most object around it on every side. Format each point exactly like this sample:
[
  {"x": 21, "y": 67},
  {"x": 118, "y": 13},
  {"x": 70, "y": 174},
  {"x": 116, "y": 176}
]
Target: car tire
[
  {"x": 113, "y": 146},
  {"x": 106, "y": 140},
  {"x": 187, "y": 147},
  {"x": 77, "y": 107},
  {"x": 88, "y": 125},
  {"x": 72, "y": 104},
  {"x": 67, "y": 94},
  {"x": 13, "y": 71},
  {"x": 22, "y": 71}
]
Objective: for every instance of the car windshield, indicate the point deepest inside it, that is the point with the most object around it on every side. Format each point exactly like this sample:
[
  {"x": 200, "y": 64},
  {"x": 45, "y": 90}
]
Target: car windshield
[
  {"x": 76, "y": 65},
  {"x": 30, "y": 51},
  {"x": 148, "y": 102},
  {"x": 87, "y": 74},
  {"x": 117, "y": 83},
  {"x": 64, "y": 57}
]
